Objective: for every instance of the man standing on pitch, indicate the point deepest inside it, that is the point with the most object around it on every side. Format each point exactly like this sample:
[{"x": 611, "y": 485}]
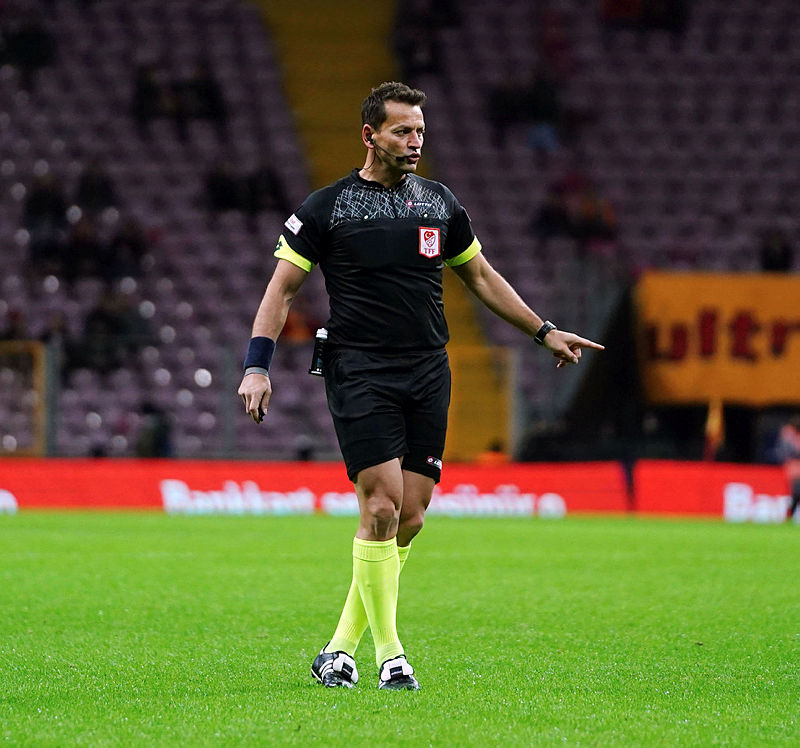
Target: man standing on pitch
[{"x": 382, "y": 236}]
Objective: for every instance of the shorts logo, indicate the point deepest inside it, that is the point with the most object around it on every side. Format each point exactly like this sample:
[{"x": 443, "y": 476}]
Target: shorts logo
[
  {"x": 294, "y": 224},
  {"x": 435, "y": 461},
  {"x": 429, "y": 242}
]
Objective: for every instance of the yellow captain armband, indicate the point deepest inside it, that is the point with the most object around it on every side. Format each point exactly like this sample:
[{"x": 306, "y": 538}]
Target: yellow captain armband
[
  {"x": 466, "y": 255},
  {"x": 284, "y": 252}
]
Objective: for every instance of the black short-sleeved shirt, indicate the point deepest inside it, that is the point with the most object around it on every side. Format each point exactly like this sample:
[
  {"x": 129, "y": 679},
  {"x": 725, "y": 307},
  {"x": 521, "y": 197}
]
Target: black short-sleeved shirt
[{"x": 382, "y": 251}]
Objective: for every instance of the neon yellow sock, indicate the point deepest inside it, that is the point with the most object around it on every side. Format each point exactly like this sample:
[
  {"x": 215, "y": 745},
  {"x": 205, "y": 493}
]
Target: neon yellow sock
[
  {"x": 402, "y": 552},
  {"x": 352, "y": 624},
  {"x": 376, "y": 568},
  {"x": 353, "y": 621}
]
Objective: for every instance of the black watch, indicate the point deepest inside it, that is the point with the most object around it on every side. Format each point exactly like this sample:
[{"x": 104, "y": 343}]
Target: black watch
[{"x": 543, "y": 330}]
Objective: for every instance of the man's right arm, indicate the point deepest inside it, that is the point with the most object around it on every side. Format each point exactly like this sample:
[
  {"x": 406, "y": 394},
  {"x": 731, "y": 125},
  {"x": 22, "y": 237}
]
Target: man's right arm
[
  {"x": 498, "y": 295},
  {"x": 255, "y": 389}
]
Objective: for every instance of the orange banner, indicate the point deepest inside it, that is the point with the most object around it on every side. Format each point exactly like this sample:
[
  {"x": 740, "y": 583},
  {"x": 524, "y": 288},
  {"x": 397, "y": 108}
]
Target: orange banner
[{"x": 702, "y": 336}]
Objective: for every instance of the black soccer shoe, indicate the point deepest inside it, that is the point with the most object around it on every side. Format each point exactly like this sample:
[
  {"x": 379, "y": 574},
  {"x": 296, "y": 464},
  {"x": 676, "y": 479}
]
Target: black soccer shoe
[
  {"x": 335, "y": 669},
  {"x": 397, "y": 675}
]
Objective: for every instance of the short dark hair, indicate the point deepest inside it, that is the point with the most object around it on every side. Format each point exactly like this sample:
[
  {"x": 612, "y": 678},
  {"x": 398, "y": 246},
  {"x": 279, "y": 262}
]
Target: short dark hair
[{"x": 373, "y": 108}]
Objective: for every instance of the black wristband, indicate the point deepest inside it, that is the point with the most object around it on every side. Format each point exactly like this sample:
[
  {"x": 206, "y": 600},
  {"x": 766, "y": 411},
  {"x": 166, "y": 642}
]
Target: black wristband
[
  {"x": 259, "y": 353},
  {"x": 542, "y": 331}
]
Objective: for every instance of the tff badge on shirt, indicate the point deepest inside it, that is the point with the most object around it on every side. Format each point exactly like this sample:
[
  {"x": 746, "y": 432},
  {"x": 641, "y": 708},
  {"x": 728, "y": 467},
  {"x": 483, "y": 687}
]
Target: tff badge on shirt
[{"x": 428, "y": 242}]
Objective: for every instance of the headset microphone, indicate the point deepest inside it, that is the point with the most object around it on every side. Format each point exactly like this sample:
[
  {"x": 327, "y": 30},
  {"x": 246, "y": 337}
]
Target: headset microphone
[{"x": 388, "y": 153}]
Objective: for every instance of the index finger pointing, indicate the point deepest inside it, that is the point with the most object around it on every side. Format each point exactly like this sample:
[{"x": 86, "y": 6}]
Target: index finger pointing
[{"x": 584, "y": 343}]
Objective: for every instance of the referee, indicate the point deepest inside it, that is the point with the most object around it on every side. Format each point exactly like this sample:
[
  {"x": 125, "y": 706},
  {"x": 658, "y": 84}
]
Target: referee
[{"x": 382, "y": 237}]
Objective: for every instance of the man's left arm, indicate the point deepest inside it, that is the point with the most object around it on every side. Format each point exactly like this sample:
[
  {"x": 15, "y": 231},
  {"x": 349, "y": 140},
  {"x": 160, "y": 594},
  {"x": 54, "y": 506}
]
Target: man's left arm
[{"x": 497, "y": 294}]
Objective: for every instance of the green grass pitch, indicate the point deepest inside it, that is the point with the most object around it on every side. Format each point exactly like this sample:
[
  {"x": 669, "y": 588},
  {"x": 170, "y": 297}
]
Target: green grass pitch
[{"x": 144, "y": 628}]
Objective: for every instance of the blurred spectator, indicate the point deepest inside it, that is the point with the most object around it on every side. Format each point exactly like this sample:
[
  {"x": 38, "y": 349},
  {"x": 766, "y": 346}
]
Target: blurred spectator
[
  {"x": 535, "y": 102},
  {"x": 83, "y": 256},
  {"x": 55, "y": 330},
  {"x": 44, "y": 216},
  {"x": 82, "y": 4},
  {"x": 418, "y": 50},
  {"x": 303, "y": 448},
  {"x": 504, "y": 108},
  {"x": 788, "y": 449},
  {"x": 223, "y": 188},
  {"x": 621, "y": 14},
  {"x": 544, "y": 111},
  {"x": 95, "y": 190},
  {"x": 263, "y": 190},
  {"x": 298, "y": 327},
  {"x": 56, "y": 335},
  {"x": 260, "y": 190},
  {"x": 553, "y": 218},
  {"x": 45, "y": 206},
  {"x": 443, "y": 13},
  {"x": 665, "y": 15},
  {"x": 494, "y": 454},
  {"x": 126, "y": 250},
  {"x": 572, "y": 183},
  {"x": 645, "y": 15},
  {"x": 113, "y": 329},
  {"x": 46, "y": 254},
  {"x": 155, "y": 436},
  {"x": 150, "y": 99},
  {"x": 554, "y": 42},
  {"x": 16, "y": 328},
  {"x": 416, "y": 38},
  {"x": 574, "y": 208},
  {"x": 199, "y": 97},
  {"x": 714, "y": 432},
  {"x": 135, "y": 330},
  {"x": 777, "y": 255},
  {"x": 100, "y": 347},
  {"x": 29, "y": 47},
  {"x": 595, "y": 220}
]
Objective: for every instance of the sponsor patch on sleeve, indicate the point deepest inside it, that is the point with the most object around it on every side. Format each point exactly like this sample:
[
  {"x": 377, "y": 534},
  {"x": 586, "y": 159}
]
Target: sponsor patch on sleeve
[{"x": 294, "y": 224}]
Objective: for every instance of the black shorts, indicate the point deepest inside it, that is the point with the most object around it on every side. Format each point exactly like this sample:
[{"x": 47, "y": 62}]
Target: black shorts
[{"x": 387, "y": 405}]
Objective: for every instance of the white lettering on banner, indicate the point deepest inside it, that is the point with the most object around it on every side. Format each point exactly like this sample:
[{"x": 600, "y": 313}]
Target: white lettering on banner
[
  {"x": 552, "y": 506},
  {"x": 464, "y": 500},
  {"x": 742, "y": 504},
  {"x": 505, "y": 500},
  {"x": 8, "y": 502},
  {"x": 339, "y": 504},
  {"x": 248, "y": 498}
]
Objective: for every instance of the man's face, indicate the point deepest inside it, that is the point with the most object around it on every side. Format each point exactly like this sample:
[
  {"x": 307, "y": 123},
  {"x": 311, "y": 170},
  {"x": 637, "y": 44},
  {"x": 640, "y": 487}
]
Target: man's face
[{"x": 401, "y": 134}]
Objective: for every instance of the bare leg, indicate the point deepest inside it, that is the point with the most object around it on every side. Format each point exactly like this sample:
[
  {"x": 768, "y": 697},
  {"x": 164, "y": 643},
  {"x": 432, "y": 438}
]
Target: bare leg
[
  {"x": 380, "y": 495},
  {"x": 417, "y": 492}
]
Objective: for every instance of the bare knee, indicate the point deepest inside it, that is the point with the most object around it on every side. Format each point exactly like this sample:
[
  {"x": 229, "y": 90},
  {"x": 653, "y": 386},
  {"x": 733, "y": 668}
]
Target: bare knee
[
  {"x": 380, "y": 496},
  {"x": 379, "y": 517},
  {"x": 409, "y": 527}
]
